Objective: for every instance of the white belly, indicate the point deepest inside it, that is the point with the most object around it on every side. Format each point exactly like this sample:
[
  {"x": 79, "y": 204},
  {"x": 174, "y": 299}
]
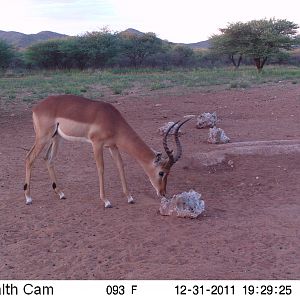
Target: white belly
[{"x": 72, "y": 138}]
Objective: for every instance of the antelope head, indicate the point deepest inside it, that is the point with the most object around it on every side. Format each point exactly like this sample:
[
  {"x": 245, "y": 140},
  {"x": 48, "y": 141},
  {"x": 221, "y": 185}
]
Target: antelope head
[{"x": 162, "y": 163}]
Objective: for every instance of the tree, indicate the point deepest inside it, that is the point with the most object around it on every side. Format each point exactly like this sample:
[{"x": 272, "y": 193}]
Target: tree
[
  {"x": 137, "y": 48},
  {"x": 73, "y": 53},
  {"x": 45, "y": 54},
  {"x": 230, "y": 42},
  {"x": 269, "y": 37},
  {"x": 182, "y": 56},
  {"x": 258, "y": 39},
  {"x": 100, "y": 47},
  {"x": 6, "y": 55},
  {"x": 93, "y": 49}
]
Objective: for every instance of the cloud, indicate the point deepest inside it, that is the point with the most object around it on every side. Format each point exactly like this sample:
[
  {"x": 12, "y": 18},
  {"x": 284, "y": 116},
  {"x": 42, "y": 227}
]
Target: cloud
[
  {"x": 177, "y": 21},
  {"x": 72, "y": 9},
  {"x": 65, "y": 16}
]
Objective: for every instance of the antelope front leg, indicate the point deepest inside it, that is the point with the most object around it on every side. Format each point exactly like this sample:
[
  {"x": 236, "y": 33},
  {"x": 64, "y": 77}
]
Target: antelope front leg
[
  {"x": 98, "y": 153},
  {"x": 119, "y": 163}
]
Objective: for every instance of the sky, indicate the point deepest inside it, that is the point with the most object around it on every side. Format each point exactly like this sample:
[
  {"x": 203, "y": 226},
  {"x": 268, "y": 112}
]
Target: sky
[{"x": 185, "y": 21}]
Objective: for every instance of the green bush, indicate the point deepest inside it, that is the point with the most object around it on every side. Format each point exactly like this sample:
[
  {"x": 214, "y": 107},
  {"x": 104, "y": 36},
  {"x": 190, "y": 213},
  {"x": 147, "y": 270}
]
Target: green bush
[
  {"x": 103, "y": 49},
  {"x": 7, "y": 55}
]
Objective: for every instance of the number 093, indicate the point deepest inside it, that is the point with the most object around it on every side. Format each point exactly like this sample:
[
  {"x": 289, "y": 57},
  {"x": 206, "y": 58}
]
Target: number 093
[{"x": 115, "y": 290}]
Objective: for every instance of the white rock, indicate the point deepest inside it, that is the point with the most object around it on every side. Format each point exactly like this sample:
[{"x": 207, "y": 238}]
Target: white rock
[
  {"x": 185, "y": 205},
  {"x": 217, "y": 136},
  {"x": 206, "y": 120},
  {"x": 163, "y": 130}
]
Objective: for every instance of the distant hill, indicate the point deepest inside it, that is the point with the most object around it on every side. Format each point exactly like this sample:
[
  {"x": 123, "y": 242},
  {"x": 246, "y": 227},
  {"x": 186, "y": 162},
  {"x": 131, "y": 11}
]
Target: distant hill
[
  {"x": 22, "y": 40},
  {"x": 199, "y": 45},
  {"x": 131, "y": 31}
]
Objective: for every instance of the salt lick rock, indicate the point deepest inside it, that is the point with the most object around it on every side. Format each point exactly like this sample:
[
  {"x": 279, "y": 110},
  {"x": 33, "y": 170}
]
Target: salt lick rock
[
  {"x": 184, "y": 205},
  {"x": 217, "y": 136},
  {"x": 206, "y": 120}
]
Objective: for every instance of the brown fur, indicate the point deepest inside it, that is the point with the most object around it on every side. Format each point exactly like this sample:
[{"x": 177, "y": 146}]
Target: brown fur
[{"x": 100, "y": 123}]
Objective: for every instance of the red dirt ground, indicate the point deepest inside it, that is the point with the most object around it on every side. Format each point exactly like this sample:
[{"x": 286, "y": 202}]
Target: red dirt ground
[{"x": 250, "y": 229}]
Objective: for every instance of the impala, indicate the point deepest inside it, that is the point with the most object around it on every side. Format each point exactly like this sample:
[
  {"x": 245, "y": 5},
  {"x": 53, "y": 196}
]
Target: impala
[{"x": 76, "y": 118}]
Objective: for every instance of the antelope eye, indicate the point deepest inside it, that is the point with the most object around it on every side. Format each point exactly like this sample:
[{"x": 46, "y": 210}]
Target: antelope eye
[{"x": 161, "y": 174}]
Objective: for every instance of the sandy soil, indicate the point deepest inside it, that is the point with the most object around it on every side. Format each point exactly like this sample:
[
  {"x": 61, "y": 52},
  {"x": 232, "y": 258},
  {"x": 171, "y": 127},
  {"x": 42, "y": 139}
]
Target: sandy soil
[{"x": 251, "y": 226}]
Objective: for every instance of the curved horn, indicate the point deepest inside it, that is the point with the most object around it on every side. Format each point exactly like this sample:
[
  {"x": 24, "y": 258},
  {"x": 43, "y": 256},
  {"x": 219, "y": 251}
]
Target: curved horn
[
  {"x": 178, "y": 144},
  {"x": 172, "y": 159},
  {"x": 165, "y": 143}
]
